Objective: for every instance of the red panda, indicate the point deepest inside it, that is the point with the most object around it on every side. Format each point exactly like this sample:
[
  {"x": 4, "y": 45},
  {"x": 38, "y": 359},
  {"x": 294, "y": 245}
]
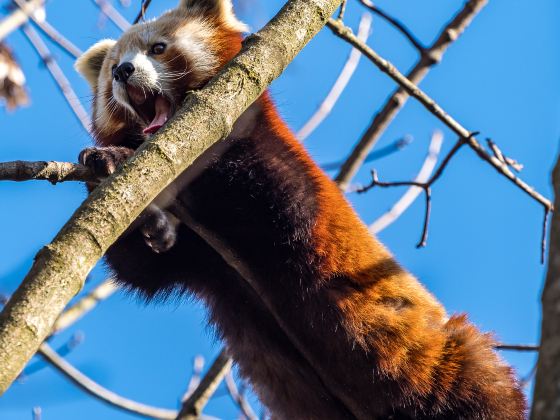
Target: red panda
[{"x": 385, "y": 342}]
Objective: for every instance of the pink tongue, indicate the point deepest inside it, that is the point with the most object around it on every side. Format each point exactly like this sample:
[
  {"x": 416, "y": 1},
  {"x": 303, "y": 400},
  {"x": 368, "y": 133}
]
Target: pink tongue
[{"x": 162, "y": 115}]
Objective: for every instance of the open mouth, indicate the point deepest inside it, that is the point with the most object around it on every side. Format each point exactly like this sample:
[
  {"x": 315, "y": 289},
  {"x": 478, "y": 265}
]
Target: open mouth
[{"x": 153, "y": 108}]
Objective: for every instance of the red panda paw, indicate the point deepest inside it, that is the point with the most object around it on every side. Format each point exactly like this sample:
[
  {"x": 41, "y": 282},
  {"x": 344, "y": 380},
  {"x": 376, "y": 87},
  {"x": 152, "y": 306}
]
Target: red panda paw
[
  {"x": 103, "y": 161},
  {"x": 159, "y": 229}
]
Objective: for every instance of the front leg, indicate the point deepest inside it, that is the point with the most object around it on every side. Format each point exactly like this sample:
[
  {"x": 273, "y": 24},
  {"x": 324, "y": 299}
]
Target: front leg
[{"x": 158, "y": 228}]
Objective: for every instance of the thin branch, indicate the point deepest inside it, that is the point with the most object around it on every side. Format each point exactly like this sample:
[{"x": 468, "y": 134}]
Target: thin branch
[
  {"x": 425, "y": 186},
  {"x": 58, "y": 76},
  {"x": 195, "y": 403},
  {"x": 142, "y": 14},
  {"x": 198, "y": 366},
  {"x": 52, "y": 33},
  {"x": 342, "y": 10},
  {"x": 113, "y": 14},
  {"x": 394, "y": 104},
  {"x": 19, "y": 17},
  {"x": 238, "y": 398},
  {"x": 465, "y": 135},
  {"x": 413, "y": 192},
  {"x": 517, "y": 347},
  {"x": 340, "y": 84},
  {"x": 51, "y": 171},
  {"x": 63, "y": 351},
  {"x": 206, "y": 116},
  {"x": 97, "y": 391},
  {"x": 36, "y": 413},
  {"x": 394, "y": 147},
  {"x": 84, "y": 305},
  {"x": 401, "y": 27}
]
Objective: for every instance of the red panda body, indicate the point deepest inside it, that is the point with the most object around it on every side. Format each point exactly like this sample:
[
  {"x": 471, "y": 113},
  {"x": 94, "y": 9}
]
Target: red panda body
[{"x": 377, "y": 344}]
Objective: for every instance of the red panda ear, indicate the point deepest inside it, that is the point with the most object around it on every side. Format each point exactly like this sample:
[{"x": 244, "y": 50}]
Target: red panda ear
[
  {"x": 221, "y": 8},
  {"x": 89, "y": 63}
]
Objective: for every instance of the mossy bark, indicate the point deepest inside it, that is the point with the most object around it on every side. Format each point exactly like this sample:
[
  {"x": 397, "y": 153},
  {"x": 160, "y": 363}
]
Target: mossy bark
[{"x": 207, "y": 116}]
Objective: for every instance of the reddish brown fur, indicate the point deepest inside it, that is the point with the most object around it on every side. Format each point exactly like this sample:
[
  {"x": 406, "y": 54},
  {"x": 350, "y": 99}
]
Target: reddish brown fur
[{"x": 385, "y": 342}]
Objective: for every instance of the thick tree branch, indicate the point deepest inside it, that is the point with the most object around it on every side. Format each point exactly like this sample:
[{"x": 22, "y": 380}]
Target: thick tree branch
[
  {"x": 546, "y": 397},
  {"x": 207, "y": 116},
  {"x": 394, "y": 104}
]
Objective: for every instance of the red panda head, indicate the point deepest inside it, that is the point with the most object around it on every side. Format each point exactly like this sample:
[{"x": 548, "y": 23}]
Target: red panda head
[{"x": 139, "y": 81}]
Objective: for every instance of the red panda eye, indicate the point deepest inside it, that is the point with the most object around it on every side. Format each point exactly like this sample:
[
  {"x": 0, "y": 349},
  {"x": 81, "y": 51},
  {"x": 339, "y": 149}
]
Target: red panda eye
[{"x": 158, "y": 48}]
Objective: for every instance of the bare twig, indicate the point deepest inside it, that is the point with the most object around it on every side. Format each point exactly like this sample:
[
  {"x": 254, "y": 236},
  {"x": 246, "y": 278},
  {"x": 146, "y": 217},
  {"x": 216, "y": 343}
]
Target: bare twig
[
  {"x": 99, "y": 392},
  {"x": 50, "y": 171},
  {"x": 238, "y": 398},
  {"x": 394, "y": 104},
  {"x": 340, "y": 84},
  {"x": 517, "y": 347},
  {"x": 413, "y": 192},
  {"x": 84, "y": 305},
  {"x": 465, "y": 136},
  {"x": 52, "y": 33},
  {"x": 113, "y": 14},
  {"x": 394, "y": 147},
  {"x": 142, "y": 13},
  {"x": 401, "y": 27},
  {"x": 425, "y": 186},
  {"x": 58, "y": 76},
  {"x": 193, "y": 406},
  {"x": 19, "y": 16},
  {"x": 198, "y": 366},
  {"x": 36, "y": 413},
  {"x": 342, "y": 10},
  {"x": 63, "y": 351}
]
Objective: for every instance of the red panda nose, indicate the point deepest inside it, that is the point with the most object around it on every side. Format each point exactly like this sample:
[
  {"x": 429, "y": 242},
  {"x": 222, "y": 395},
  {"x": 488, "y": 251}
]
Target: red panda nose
[{"x": 123, "y": 72}]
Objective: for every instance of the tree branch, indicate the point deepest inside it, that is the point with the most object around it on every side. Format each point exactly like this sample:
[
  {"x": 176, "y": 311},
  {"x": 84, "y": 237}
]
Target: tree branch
[
  {"x": 517, "y": 347},
  {"x": 58, "y": 76},
  {"x": 18, "y": 17},
  {"x": 394, "y": 104},
  {"x": 465, "y": 136},
  {"x": 52, "y": 33},
  {"x": 238, "y": 398},
  {"x": 401, "y": 27},
  {"x": 207, "y": 116},
  {"x": 84, "y": 305},
  {"x": 143, "y": 8},
  {"x": 546, "y": 398},
  {"x": 339, "y": 85},
  {"x": 51, "y": 171},
  {"x": 99, "y": 392},
  {"x": 413, "y": 192},
  {"x": 113, "y": 14},
  {"x": 195, "y": 403}
]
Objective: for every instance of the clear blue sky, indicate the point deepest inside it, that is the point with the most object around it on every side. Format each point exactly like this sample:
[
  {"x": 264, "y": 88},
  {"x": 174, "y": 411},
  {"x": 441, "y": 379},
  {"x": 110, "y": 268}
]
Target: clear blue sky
[{"x": 501, "y": 78}]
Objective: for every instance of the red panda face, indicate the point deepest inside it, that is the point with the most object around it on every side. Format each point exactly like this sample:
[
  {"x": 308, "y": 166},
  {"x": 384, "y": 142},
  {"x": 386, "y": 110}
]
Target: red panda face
[{"x": 141, "y": 79}]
